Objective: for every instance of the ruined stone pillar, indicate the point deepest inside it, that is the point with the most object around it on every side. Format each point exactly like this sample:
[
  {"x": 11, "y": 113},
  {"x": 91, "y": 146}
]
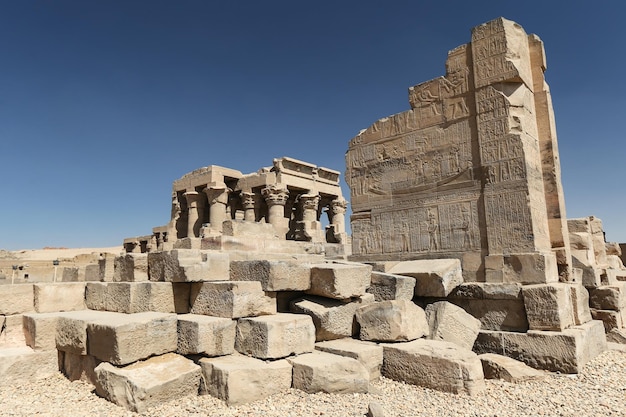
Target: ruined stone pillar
[
  {"x": 309, "y": 204},
  {"x": 218, "y": 200},
  {"x": 193, "y": 225},
  {"x": 248, "y": 201},
  {"x": 338, "y": 214},
  {"x": 276, "y": 196}
]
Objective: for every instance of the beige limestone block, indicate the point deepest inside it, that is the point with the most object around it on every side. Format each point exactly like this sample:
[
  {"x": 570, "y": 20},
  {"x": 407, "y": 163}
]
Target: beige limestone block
[
  {"x": 616, "y": 336},
  {"x": 333, "y": 319},
  {"x": 391, "y": 287},
  {"x": 142, "y": 385},
  {"x": 188, "y": 265},
  {"x": 325, "y": 372},
  {"x": 16, "y": 299},
  {"x": 276, "y": 336},
  {"x": 608, "y": 297},
  {"x": 71, "y": 330},
  {"x": 22, "y": 365},
  {"x": 435, "y": 364},
  {"x": 435, "y": 277},
  {"x": 508, "y": 369},
  {"x": 369, "y": 354},
  {"x": 125, "y": 338},
  {"x": 273, "y": 275},
  {"x": 96, "y": 294},
  {"x": 136, "y": 297},
  {"x": 548, "y": 306},
  {"x": 580, "y": 303},
  {"x": 451, "y": 323},
  {"x": 530, "y": 268},
  {"x": 211, "y": 336},
  {"x": 238, "y": 379},
  {"x": 340, "y": 281},
  {"x": 78, "y": 367},
  {"x": 610, "y": 318},
  {"x": 567, "y": 351},
  {"x": 496, "y": 314},
  {"x": 13, "y": 334},
  {"x": 231, "y": 299},
  {"x": 61, "y": 296},
  {"x": 392, "y": 321},
  {"x": 40, "y": 330},
  {"x": 131, "y": 267}
]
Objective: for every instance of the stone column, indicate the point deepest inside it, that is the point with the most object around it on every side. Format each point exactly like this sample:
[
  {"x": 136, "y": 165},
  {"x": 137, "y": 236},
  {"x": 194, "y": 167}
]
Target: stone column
[
  {"x": 338, "y": 212},
  {"x": 192, "y": 213},
  {"x": 248, "y": 201},
  {"x": 276, "y": 196},
  {"x": 309, "y": 204},
  {"x": 218, "y": 200}
]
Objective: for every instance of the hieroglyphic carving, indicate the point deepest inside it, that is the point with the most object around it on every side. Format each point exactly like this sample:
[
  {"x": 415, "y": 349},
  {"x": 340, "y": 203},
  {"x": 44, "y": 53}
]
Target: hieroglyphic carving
[{"x": 508, "y": 214}]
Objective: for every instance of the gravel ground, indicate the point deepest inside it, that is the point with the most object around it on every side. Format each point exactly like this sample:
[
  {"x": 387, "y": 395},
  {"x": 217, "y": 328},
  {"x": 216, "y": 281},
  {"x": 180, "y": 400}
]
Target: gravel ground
[{"x": 599, "y": 391}]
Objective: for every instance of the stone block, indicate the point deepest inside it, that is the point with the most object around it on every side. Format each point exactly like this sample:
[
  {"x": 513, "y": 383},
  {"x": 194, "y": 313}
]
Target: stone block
[
  {"x": 188, "y": 265},
  {"x": 131, "y": 267},
  {"x": 531, "y": 268},
  {"x": 591, "y": 274},
  {"x": 391, "y": 287},
  {"x": 392, "y": 321},
  {"x": 276, "y": 336},
  {"x": 325, "y": 372},
  {"x": 612, "y": 319},
  {"x": 136, "y": 297},
  {"x": 231, "y": 299},
  {"x": 508, "y": 369},
  {"x": 210, "y": 336},
  {"x": 78, "y": 367},
  {"x": 146, "y": 384},
  {"x": 16, "y": 299},
  {"x": 451, "y": 323},
  {"x": 548, "y": 306},
  {"x": 71, "y": 330},
  {"x": 13, "y": 331},
  {"x": 434, "y": 277},
  {"x": 608, "y": 297},
  {"x": 23, "y": 365},
  {"x": 580, "y": 303},
  {"x": 567, "y": 351},
  {"x": 40, "y": 330},
  {"x": 125, "y": 338},
  {"x": 616, "y": 336},
  {"x": 238, "y": 379},
  {"x": 435, "y": 364},
  {"x": 333, "y": 319},
  {"x": 369, "y": 354},
  {"x": 340, "y": 281},
  {"x": 61, "y": 296},
  {"x": 92, "y": 272},
  {"x": 273, "y": 275}
]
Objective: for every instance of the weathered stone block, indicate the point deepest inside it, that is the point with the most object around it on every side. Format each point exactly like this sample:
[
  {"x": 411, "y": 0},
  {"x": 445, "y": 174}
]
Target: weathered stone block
[
  {"x": 136, "y": 297},
  {"x": 188, "y": 265},
  {"x": 21, "y": 365},
  {"x": 391, "y": 287},
  {"x": 451, "y": 323},
  {"x": 567, "y": 351},
  {"x": 369, "y": 354},
  {"x": 273, "y": 275},
  {"x": 340, "y": 281},
  {"x": 131, "y": 267},
  {"x": 435, "y": 364},
  {"x": 71, "y": 329},
  {"x": 325, "y": 372},
  {"x": 40, "y": 330},
  {"x": 238, "y": 379},
  {"x": 548, "y": 306},
  {"x": 612, "y": 319},
  {"x": 61, "y": 296},
  {"x": 211, "y": 336},
  {"x": 392, "y": 321},
  {"x": 580, "y": 303},
  {"x": 231, "y": 299},
  {"x": 142, "y": 385},
  {"x": 125, "y": 338},
  {"x": 435, "y": 277},
  {"x": 276, "y": 336},
  {"x": 531, "y": 268},
  {"x": 16, "y": 299},
  {"x": 333, "y": 319},
  {"x": 78, "y": 367},
  {"x": 508, "y": 369},
  {"x": 608, "y": 297}
]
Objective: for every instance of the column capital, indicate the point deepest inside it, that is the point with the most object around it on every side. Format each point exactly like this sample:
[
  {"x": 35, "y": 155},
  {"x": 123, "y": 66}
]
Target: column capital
[
  {"x": 191, "y": 197},
  {"x": 339, "y": 205},
  {"x": 309, "y": 201},
  {"x": 275, "y": 195},
  {"x": 248, "y": 199},
  {"x": 217, "y": 194}
]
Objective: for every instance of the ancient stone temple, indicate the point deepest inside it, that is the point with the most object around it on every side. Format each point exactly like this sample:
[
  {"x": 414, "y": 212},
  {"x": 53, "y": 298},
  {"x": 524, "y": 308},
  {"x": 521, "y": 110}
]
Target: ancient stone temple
[{"x": 471, "y": 171}]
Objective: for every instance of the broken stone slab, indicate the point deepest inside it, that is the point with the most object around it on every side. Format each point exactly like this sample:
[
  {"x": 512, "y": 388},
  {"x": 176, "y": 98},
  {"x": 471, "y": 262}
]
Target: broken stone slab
[
  {"x": 340, "y": 281},
  {"x": 71, "y": 329},
  {"x": 611, "y": 297},
  {"x": 610, "y": 318},
  {"x": 508, "y": 369},
  {"x": 20, "y": 365},
  {"x": 548, "y": 306},
  {"x": 434, "y": 277},
  {"x": 325, "y": 372},
  {"x": 435, "y": 364},
  {"x": 188, "y": 265},
  {"x": 131, "y": 267},
  {"x": 273, "y": 275},
  {"x": 146, "y": 384},
  {"x": 125, "y": 338},
  {"x": 616, "y": 336},
  {"x": 567, "y": 351},
  {"x": 451, "y": 323},
  {"x": 59, "y": 296},
  {"x": 16, "y": 299},
  {"x": 210, "y": 336},
  {"x": 276, "y": 336},
  {"x": 238, "y": 379},
  {"x": 391, "y": 287},
  {"x": 78, "y": 367},
  {"x": 369, "y": 354},
  {"x": 580, "y": 303},
  {"x": 392, "y": 321},
  {"x": 333, "y": 319},
  {"x": 375, "y": 409},
  {"x": 40, "y": 330},
  {"x": 231, "y": 299}
]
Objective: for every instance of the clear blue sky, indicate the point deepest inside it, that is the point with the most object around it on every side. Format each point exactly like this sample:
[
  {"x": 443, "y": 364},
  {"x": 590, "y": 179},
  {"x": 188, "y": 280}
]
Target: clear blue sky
[{"x": 104, "y": 103}]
